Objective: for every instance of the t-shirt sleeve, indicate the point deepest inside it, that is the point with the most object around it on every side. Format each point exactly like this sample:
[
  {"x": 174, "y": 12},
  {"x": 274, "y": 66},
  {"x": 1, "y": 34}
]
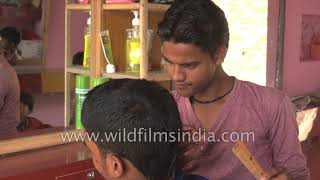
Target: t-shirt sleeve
[
  {"x": 3, "y": 89},
  {"x": 285, "y": 145}
]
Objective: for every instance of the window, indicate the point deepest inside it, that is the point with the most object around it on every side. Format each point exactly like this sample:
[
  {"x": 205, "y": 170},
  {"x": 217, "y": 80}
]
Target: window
[{"x": 247, "y": 54}]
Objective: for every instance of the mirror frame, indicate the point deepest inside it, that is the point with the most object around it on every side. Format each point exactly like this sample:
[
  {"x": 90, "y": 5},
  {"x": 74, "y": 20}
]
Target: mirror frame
[{"x": 44, "y": 140}]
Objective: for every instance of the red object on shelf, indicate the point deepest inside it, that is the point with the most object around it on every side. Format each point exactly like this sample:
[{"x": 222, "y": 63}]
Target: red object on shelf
[
  {"x": 118, "y": 1},
  {"x": 83, "y": 1},
  {"x": 315, "y": 51}
]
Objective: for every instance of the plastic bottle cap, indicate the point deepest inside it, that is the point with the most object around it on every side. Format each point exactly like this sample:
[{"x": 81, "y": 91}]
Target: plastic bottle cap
[
  {"x": 89, "y": 21},
  {"x": 135, "y": 20},
  {"x": 110, "y": 68}
]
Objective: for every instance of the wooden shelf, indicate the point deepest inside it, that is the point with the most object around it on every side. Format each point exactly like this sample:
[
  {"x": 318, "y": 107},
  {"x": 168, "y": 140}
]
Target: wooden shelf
[
  {"x": 136, "y": 6},
  {"x": 78, "y": 70},
  {"x": 124, "y": 6},
  {"x": 75, "y": 6},
  {"x": 35, "y": 61},
  {"x": 152, "y": 76}
]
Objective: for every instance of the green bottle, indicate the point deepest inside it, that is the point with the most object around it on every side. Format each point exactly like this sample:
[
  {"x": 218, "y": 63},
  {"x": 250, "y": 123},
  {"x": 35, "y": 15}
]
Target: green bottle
[
  {"x": 97, "y": 81},
  {"x": 81, "y": 89}
]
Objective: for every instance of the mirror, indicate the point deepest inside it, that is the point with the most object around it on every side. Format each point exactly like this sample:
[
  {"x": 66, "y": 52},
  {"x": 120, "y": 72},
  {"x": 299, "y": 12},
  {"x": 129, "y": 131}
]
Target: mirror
[
  {"x": 42, "y": 100},
  {"x": 40, "y": 68}
]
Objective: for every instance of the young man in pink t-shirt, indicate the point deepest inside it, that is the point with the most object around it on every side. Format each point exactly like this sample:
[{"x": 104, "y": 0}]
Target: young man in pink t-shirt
[
  {"x": 9, "y": 84},
  {"x": 195, "y": 40}
]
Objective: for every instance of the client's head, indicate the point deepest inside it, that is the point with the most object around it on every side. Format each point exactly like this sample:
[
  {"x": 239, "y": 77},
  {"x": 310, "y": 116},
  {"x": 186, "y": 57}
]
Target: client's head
[{"x": 137, "y": 125}]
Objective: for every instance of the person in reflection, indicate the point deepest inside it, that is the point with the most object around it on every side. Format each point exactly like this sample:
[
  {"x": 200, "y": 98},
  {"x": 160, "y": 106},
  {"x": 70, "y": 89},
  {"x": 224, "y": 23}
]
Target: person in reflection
[
  {"x": 9, "y": 39},
  {"x": 9, "y": 83},
  {"x": 132, "y": 106},
  {"x": 28, "y": 123}
]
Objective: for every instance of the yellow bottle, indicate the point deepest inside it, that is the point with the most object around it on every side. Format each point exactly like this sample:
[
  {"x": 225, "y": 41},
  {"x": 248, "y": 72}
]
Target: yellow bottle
[
  {"x": 133, "y": 51},
  {"x": 87, "y": 45}
]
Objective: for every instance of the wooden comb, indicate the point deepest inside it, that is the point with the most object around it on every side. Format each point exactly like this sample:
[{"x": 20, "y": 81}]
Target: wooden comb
[{"x": 248, "y": 160}]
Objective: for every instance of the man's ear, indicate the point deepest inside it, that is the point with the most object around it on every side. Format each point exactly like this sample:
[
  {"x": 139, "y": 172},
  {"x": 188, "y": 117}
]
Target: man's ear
[
  {"x": 220, "y": 54},
  {"x": 114, "y": 165}
]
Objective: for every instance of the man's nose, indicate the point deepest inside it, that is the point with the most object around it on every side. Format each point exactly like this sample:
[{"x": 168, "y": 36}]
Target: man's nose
[{"x": 178, "y": 73}]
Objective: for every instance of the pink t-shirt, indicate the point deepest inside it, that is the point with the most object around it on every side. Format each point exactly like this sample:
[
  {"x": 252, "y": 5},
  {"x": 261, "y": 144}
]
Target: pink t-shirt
[
  {"x": 250, "y": 108},
  {"x": 9, "y": 99}
]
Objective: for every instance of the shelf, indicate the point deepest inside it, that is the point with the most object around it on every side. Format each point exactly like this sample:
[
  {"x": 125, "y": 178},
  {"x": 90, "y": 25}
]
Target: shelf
[
  {"x": 152, "y": 76},
  {"x": 30, "y": 61},
  {"x": 136, "y": 6},
  {"x": 124, "y": 6},
  {"x": 75, "y": 6},
  {"x": 78, "y": 70}
]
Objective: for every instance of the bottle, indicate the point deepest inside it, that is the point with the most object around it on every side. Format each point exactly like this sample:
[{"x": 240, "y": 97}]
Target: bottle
[
  {"x": 81, "y": 89},
  {"x": 133, "y": 52},
  {"x": 87, "y": 44}
]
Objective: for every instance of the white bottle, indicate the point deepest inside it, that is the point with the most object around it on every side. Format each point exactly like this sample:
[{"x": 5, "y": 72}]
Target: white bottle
[{"x": 135, "y": 24}]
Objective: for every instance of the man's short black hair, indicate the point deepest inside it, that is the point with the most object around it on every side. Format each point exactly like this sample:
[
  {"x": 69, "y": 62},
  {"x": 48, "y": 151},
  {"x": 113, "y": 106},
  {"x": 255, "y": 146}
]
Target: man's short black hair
[
  {"x": 27, "y": 100},
  {"x": 133, "y": 104},
  {"x": 11, "y": 34},
  {"x": 199, "y": 22}
]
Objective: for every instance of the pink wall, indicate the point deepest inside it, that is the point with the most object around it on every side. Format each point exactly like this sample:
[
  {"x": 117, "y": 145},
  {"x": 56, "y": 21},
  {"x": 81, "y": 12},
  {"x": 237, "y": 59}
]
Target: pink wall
[
  {"x": 299, "y": 76},
  {"x": 55, "y": 52}
]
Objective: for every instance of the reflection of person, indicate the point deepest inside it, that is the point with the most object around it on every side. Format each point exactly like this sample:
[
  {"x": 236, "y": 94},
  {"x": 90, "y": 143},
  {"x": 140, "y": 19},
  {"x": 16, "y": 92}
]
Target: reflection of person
[
  {"x": 28, "y": 123},
  {"x": 9, "y": 91},
  {"x": 9, "y": 40},
  {"x": 195, "y": 37},
  {"x": 125, "y": 105}
]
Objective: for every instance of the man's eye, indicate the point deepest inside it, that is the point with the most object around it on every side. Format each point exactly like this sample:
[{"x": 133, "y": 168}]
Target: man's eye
[{"x": 189, "y": 66}]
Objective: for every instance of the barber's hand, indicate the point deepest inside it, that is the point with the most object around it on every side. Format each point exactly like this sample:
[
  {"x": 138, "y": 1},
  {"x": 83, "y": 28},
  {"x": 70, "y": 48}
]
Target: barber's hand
[
  {"x": 190, "y": 150},
  {"x": 276, "y": 174}
]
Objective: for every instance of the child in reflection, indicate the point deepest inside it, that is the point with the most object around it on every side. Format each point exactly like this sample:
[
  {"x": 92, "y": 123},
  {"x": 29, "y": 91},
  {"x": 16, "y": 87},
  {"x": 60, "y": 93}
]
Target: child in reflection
[{"x": 28, "y": 123}]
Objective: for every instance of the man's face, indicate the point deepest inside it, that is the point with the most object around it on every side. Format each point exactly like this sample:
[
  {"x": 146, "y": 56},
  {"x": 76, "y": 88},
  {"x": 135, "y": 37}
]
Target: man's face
[
  {"x": 96, "y": 157},
  {"x": 6, "y": 47},
  {"x": 190, "y": 69},
  {"x": 111, "y": 167}
]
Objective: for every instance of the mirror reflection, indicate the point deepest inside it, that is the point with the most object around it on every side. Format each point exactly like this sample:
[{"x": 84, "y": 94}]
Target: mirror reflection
[{"x": 31, "y": 67}]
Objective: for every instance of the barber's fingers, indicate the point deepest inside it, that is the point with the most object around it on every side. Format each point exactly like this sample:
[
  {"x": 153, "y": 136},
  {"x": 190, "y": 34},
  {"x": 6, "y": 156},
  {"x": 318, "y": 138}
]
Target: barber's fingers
[{"x": 276, "y": 174}]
